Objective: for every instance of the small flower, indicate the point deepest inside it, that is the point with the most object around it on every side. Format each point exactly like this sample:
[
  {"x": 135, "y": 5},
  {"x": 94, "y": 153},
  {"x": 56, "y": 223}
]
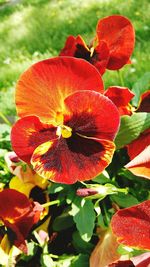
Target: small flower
[
  {"x": 19, "y": 215},
  {"x": 111, "y": 48}
]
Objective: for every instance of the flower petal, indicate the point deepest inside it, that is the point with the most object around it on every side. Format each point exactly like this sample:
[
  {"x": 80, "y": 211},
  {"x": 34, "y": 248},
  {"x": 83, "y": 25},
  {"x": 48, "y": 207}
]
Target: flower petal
[
  {"x": 118, "y": 32},
  {"x": 100, "y": 57},
  {"x": 23, "y": 225},
  {"x": 71, "y": 159},
  {"x": 28, "y": 133},
  {"x": 105, "y": 251},
  {"x": 144, "y": 105},
  {"x": 17, "y": 184},
  {"x": 47, "y": 83},
  {"x": 16, "y": 204},
  {"x": 139, "y": 144},
  {"x": 140, "y": 165},
  {"x": 124, "y": 263},
  {"x": 120, "y": 96},
  {"x": 75, "y": 47},
  {"x": 132, "y": 226},
  {"x": 142, "y": 260},
  {"x": 92, "y": 115}
]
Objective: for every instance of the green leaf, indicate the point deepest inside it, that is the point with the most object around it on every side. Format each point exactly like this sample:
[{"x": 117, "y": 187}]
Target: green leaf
[
  {"x": 124, "y": 201},
  {"x": 84, "y": 217},
  {"x": 46, "y": 261},
  {"x": 81, "y": 261},
  {"x": 131, "y": 127},
  {"x": 102, "y": 178},
  {"x": 131, "y": 252},
  {"x": 63, "y": 222},
  {"x": 141, "y": 86},
  {"x": 80, "y": 245},
  {"x": 64, "y": 261},
  {"x": 2, "y": 152},
  {"x": 4, "y": 131}
]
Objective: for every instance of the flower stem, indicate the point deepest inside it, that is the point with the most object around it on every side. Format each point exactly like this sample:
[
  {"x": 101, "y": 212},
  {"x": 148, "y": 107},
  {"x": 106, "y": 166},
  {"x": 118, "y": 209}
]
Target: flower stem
[
  {"x": 51, "y": 203},
  {"x": 5, "y": 119},
  {"x": 120, "y": 78}
]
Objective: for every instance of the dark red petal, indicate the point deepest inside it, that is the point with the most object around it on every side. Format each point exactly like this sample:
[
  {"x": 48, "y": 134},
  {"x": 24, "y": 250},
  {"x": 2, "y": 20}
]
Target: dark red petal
[
  {"x": 69, "y": 48},
  {"x": 72, "y": 159},
  {"x": 139, "y": 144},
  {"x": 75, "y": 47},
  {"x": 92, "y": 115},
  {"x": 13, "y": 204},
  {"x": 126, "y": 263},
  {"x": 120, "y": 96},
  {"x": 132, "y": 226},
  {"x": 100, "y": 57},
  {"x": 28, "y": 133},
  {"x": 22, "y": 226},
  {"x": 140, "y": 165},
  {"x": 144, "y": 105},
  {"x": 118, "y": 32},
  {"x": 41, "y": 89},
  {"x": 15, "y": 237}
]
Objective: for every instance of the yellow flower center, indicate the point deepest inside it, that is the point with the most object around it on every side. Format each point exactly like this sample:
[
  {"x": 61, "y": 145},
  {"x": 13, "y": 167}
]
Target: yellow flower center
[
  {"x": 65, "y": 131},
  {"x": 91, "y": 51}
]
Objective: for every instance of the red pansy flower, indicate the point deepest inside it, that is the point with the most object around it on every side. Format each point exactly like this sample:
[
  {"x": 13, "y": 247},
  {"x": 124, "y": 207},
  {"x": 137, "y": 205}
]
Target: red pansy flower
[
  {"x": 69, "y": 138},
  {"x": 19, "y": 215},
  {"x": 132, "y": 226},
  {"x": 111, "y": 48}
]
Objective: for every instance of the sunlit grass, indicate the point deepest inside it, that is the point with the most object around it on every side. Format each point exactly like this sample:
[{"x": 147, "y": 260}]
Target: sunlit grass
[{"x": 36, "y": 29}]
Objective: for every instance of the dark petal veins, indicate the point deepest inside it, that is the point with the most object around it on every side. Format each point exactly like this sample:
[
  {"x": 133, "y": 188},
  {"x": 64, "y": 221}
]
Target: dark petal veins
[{"x": 71, "y": 159}]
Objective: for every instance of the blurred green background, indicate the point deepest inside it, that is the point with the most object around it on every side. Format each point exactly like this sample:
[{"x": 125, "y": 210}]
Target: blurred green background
[{"x": 32, "y": 30}]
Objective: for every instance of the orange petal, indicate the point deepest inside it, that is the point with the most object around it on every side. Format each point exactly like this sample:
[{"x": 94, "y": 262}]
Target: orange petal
[
  {"x": 140, "y": 165},
  {"x": 105, "y": 251},
  {"x": 118, "y": 32},
  {"x": 132, "y": 226},
  {"x": 28, "y": 133},
  {"x": 41, "y": 89}
]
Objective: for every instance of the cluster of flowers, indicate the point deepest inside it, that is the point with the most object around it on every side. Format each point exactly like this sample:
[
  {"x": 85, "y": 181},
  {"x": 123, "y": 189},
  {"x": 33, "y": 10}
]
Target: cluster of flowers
[{"x": 66, "y": 133}]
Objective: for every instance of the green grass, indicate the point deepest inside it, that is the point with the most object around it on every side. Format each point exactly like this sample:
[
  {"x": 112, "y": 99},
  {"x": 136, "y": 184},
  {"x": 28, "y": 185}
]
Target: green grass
[{"x": 33, "y": 30}]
